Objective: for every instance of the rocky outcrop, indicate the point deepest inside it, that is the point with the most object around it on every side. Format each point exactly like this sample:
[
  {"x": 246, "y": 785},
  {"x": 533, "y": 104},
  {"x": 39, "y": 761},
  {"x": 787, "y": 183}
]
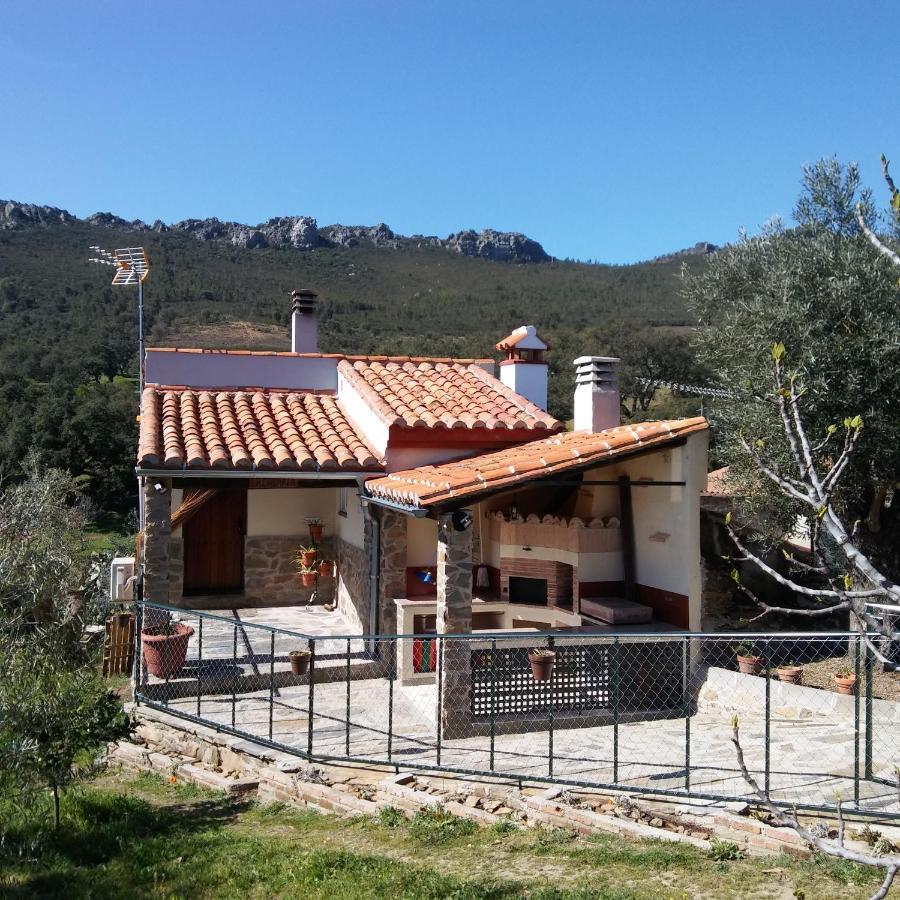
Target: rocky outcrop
[
  {"x": 501, "y": 246},
  {"x": 23, "y": 215},
  {"x": 701, "y": 248},
  {"x": 299, "y": 232}
]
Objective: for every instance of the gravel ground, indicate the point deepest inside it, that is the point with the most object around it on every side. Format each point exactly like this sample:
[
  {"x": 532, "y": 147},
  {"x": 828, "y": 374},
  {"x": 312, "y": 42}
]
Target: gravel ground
[{"x": 885, "y": 685}]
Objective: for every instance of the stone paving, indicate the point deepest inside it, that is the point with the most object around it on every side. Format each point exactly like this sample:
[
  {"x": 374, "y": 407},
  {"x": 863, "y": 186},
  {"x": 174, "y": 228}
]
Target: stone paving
[{"x": 811, "y": 748}]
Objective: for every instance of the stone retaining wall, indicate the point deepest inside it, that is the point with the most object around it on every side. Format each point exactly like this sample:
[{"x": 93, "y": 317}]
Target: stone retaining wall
[
  {"x": 270, "y": 571},
  {"x": 353, "y": 584}
]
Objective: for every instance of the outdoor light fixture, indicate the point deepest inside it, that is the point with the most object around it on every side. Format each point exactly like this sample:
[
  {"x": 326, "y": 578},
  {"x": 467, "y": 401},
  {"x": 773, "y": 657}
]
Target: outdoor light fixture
[
  {"x": 160, "y": 488},
  {"x": 461, "y": 519}
]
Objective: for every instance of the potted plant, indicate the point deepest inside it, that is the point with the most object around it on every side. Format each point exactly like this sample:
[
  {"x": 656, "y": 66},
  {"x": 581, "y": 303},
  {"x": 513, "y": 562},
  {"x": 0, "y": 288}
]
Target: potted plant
[
  {"x": 308, "y": 577},
  {"x": 326, "y": 568},
  {"x": 845, "y": 681},
  {"x": 306, "y": 557},
  {"x": 790, "y": 673},
  {"x": 165, "y": 647},
  {"x": 315, "y": 528},
  {"x": 299, "y": 661},
  {"x": 542, "y": 661},
  {"x": 748, "y": 660}
]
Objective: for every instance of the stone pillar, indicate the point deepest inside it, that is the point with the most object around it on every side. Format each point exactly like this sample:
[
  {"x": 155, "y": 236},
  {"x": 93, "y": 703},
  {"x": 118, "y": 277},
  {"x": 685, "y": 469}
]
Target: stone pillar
[
  {"x": 392, "y": 581},
  {"x": 157, "y": 536},
  {"x": 454, "y": 616}
]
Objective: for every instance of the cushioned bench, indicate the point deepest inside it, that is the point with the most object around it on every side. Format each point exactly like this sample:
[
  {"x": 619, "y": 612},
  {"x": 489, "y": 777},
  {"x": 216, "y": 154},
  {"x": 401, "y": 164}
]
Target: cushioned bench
[{"x": 615, "y": 611}]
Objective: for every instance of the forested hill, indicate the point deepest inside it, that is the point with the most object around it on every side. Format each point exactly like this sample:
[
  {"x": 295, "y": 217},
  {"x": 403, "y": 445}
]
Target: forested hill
[{"x": 68, "y": 339}]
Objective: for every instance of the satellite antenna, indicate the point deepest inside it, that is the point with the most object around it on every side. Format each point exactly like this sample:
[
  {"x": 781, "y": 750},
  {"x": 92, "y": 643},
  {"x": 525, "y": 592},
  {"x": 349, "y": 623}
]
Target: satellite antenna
[{"x": 132, "y": 266}]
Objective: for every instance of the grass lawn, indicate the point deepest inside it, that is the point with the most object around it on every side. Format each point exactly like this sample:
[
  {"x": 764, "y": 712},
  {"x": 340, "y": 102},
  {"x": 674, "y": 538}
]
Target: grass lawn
[{"x": 142, "y": 837}]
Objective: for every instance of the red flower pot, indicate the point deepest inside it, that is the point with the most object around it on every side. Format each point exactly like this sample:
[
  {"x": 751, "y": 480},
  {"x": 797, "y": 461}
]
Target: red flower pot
[
  {"x": 845, "y": 684},
  {"x": 308, "y": 579},
  {"x": 308, "y": 558},
  {"x": 750, "y": 665},
  {"x": 165, "y": 653},
  {"x": 315, "y": 532},
  {"x": 326, "y": 569},
  {"x": 299, "y": 661},
  {"x": 542, "y": 666}
]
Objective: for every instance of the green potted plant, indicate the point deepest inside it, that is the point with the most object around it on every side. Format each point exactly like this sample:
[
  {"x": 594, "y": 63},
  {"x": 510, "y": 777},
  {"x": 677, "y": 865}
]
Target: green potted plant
[
  {"x": 165, "y": 647},
  {"x": 845, "y": 681},
  {"x": 748, "y": 659},
  {"x": 305, "y": 557},
  {"x": 542, "y": 661},
  {"x": 790, "y": 673},
  {"x": 326, "y": 568},
  {"x": 315, "y": 528},
  {"x": 299, "y": 660},
  {"x": 308, "y": 577}
]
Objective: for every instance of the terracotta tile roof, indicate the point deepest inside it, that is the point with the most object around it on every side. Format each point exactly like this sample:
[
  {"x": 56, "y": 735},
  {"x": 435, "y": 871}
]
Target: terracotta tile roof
[
  {"x": 717, "y": 483},
  {"x": 196, "y": 429},
  {"x": 442, "y": 394},
  {"x": 430, "y": 485}
]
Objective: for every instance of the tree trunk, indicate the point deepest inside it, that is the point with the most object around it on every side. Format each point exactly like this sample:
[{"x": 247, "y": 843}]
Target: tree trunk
[{"x": 55, "y": 806}]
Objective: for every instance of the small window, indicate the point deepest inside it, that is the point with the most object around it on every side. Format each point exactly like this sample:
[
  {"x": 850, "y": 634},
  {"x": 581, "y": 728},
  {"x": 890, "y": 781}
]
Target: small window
[{"x": 343, "y": 493}]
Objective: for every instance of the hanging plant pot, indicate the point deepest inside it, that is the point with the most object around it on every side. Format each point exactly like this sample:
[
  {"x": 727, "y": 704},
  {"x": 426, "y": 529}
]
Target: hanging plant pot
[
  {"x": 326, "y": 568},
  {"x": 845, "y": 684},
  {"x": 299, "y": 661},
  {"x": 308, "y": 558},
  {"x": 315, "y": 532},
  {"x": 542, "y": 662},
  {"x": 165, "y": 649},
  {"x": 750, "y": 665},
  {"x": 790, "y": 674},
  {"x": 308, "y": 579}
]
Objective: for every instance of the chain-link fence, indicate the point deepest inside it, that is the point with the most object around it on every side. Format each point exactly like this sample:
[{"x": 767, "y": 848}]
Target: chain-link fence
[{"x": 819, "y": 717}]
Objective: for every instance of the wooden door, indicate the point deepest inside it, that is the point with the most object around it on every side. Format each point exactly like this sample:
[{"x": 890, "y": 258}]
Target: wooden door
[{"x": 214, "y": 545}]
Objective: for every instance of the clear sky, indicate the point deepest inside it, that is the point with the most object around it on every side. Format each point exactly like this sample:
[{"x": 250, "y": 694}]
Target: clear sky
[{"x": 613, "y": 131}]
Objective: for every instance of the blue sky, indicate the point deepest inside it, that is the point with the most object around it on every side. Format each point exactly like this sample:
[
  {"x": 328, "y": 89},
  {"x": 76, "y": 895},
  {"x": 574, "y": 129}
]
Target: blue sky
[{"x": 613, "y": 131}]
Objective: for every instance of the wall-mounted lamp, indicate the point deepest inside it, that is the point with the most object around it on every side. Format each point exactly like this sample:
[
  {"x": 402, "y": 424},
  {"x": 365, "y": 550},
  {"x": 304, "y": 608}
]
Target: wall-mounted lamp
[
  {"x": 461, "y": 520},
  {"x": 160, "y": 488}
]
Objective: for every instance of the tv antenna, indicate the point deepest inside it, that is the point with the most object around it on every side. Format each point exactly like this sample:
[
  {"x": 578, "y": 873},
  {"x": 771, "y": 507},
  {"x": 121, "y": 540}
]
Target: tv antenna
[{"x": 132, "y": 266}]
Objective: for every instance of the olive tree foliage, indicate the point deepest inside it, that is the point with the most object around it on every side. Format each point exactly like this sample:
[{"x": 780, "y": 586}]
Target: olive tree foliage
[
  {"x": 802, "y": 325},
  {"x": 56, "y": 711}
]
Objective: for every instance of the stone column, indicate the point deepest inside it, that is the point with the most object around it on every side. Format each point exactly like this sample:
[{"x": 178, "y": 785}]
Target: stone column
[
  {"x": 392, "y": 583},
  {"x": 454, "y": 616},
  {"x": 157, "y": 535}
]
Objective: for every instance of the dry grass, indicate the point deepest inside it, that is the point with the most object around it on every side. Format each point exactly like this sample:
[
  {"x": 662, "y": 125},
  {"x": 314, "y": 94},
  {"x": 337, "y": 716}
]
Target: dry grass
[{"x": 885, "y": 685}]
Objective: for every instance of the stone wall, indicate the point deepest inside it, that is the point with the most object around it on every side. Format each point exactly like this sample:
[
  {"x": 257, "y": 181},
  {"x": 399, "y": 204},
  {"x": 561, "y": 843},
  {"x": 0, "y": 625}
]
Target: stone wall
[
  {"x": 176, "y": 571},
  {"x": 392, "y": 581},
  {"x": 155, "y": 546},
  {"x": 270, "y": 571},
  {"x": 353, "y": 582}
]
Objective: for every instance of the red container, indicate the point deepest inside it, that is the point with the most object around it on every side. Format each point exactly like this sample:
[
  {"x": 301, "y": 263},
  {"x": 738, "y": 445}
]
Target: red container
[
  {"x": 424, "y": 654},
  {"x": 164, "y": 653}
]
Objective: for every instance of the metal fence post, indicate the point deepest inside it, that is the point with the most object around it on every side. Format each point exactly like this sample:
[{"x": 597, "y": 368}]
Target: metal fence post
[
  {"x": 440, "y": 708},
  {"x": 869, "y": 725},
  {"x": 549, "y": 688},
  {"x": 312, "y": 683},
  {"x": 856, "y": 669},
  {"x": 768, "y": 747},
  {"x": 199, "y": 663},
  {"x": 271, "y": 681},
  {"x": 686, "y": 710},
  {"x": 493, "y": 699},
  {"x": 392, "y": 671},
  {"x": 138, "y": 664},
  {"x": 614, "y": 677},
  {"x": 347, "y": 706},
  {"x": 234, "y": 675}
]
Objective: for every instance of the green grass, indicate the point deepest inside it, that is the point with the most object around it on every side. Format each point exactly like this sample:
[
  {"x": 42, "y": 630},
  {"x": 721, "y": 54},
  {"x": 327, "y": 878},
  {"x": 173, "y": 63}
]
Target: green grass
[{"x": 144, "y": 837}]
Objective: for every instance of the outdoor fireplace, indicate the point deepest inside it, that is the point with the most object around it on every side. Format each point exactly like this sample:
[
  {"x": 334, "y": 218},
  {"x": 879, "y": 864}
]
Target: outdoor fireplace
[
  {"x": 528, "y": 590},
  {"x": 540, "y": 582}
]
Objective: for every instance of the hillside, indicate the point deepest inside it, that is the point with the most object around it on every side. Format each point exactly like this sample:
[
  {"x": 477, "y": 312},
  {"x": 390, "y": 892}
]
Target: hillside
[{"x": 68, "y": 339}]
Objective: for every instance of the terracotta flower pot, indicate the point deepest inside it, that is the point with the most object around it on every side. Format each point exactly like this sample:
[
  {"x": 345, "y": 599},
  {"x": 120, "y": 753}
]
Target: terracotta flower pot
[
  {"x": 542, "y": 666},
  {"x": 299, "y": 661},
  {"x": 790, "y": 674},
  {"x": 165, "y": 653},
  {"x": 326, "y": 569},
  {"x": 315, "y": 532},
  {"x": 308, "y": 558},
  {"x": 845, "y": 684},
  {"x": 750, "y": 665},
  {"x": 308, "y": 579}
]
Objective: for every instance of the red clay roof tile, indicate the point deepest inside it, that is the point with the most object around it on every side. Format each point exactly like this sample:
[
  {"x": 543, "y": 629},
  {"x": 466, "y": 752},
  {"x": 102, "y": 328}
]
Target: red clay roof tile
[
  {"x": 430, "y": 485},
  {"x": 287, "y": 430}
]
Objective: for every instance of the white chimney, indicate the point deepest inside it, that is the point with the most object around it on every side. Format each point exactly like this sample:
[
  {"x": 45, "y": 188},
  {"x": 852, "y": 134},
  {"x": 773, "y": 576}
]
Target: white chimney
[
  {"x": 304, "y": 322},
  {"x": 597, "y": 404},
  {"x": 524, "y": 369}
]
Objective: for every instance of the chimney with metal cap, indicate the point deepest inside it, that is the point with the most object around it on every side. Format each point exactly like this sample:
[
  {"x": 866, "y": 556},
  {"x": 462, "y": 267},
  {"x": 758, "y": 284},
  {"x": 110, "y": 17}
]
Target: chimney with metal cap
[
  {"x": 597, "y": 403},
  {"x": 304, "y": 322}
]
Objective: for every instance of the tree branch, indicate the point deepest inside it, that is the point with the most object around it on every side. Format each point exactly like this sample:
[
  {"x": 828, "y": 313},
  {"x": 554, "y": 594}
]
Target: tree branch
[
  {"x": 890, "y": 864},
  {"x": 883, "y": 249}
]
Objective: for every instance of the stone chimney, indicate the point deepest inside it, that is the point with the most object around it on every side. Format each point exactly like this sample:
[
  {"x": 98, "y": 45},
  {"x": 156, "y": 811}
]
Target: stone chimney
[
  {"x": 524, "y": 369},
  {"x": 304, "y": 322},
  {"x": 597, "y": 403}
]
